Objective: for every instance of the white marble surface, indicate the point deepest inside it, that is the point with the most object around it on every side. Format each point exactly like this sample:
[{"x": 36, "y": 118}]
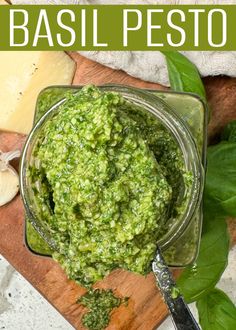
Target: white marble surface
[{"x": 23, "y": 308}]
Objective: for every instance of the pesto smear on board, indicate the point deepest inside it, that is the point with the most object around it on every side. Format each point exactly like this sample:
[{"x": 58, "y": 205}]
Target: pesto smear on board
[
  {"x": 99, "y": 304},
  {"x": 107, "y": 179}
]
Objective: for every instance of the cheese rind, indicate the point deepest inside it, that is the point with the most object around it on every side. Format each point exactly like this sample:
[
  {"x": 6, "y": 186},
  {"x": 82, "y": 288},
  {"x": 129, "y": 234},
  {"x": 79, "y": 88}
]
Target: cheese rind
[{"x": 22, "y": 76}]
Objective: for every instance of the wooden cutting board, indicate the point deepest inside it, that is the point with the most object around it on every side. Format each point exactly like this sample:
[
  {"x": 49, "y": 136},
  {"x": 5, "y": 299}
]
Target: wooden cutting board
[{"x": 146, "y": 309}]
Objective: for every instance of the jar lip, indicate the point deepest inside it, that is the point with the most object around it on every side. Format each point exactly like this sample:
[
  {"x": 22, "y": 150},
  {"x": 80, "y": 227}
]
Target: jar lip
[{"x": 168, "y": 118}]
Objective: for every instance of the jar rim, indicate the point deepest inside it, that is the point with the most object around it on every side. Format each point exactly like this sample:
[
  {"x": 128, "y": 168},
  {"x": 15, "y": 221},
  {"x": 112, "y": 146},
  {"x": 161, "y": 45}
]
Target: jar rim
[{"x": 168, "y": 118}]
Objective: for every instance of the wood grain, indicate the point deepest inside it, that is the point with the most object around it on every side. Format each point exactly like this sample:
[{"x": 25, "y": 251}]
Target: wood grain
[
  {"x": 145, "y": 309},
  {"x": 221, "y": 93}
]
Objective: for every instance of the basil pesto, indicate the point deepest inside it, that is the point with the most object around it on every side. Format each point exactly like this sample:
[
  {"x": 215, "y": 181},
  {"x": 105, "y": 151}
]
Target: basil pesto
[
  {"x": 99, "y": 304},
  {"x": 107, "y": 179}
]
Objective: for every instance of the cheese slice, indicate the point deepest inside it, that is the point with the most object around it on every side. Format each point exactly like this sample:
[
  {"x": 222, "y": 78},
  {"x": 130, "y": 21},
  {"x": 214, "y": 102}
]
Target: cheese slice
[{"x": 23, "y": 75}]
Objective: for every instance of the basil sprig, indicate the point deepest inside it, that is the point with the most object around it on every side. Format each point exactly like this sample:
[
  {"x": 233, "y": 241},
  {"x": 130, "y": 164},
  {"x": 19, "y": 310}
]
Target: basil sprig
[
  {"x": 197, "y": 282},
  {"x": 183, "y": 74},
  {"x": 216, "y": 311}
]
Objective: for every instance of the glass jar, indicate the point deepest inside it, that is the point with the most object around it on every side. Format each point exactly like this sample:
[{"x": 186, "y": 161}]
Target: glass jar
[{"x": 180, "y": 243}]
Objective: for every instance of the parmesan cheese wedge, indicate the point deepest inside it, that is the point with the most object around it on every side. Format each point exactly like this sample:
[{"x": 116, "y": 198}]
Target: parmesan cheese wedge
[{"x": 23, "y": 74}]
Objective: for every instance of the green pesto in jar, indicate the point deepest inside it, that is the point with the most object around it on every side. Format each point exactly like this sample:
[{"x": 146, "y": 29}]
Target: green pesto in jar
[{"x": 108, "y": 179}]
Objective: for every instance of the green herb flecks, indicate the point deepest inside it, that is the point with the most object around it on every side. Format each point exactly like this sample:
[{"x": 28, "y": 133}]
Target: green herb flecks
[
  {"x": 175, "y": 292},
  {"x": 100, "y": 304},
  {"x": 107, "y": 184}
]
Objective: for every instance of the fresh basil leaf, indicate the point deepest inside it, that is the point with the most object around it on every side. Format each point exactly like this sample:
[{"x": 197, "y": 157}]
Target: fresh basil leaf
[
  {"x": 220, "y": 184},
  {"x": 216, "y": 311},
  {"x": 202, "y": 276},
  {"x": 229, "y": 132},
  {"x": 183, "y": 74}
]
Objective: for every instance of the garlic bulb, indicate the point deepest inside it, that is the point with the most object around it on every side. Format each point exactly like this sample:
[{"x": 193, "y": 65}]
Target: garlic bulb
[{"x": 9, "y": 179}]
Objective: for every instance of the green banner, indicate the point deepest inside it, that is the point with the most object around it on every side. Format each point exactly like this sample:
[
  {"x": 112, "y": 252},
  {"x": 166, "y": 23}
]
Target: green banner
[{"x": 116, "y": 27}]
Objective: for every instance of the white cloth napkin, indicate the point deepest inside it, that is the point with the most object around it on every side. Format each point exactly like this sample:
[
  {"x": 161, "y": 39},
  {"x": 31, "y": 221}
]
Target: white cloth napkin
[{"x": 151, "y": 65}]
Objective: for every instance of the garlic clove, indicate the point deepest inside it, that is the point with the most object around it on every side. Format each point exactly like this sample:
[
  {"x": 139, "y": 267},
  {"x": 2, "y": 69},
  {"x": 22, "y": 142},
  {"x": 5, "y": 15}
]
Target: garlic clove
[
  {"x": 9, "y": 185},
  {"x": 6, "y": 157}
]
